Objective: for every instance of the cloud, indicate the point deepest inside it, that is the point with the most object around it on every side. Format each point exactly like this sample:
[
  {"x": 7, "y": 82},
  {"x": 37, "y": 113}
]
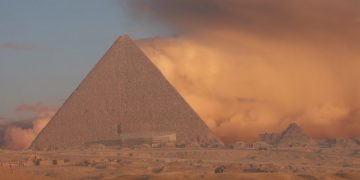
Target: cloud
[
  {"x": 4, "y": 120},
  {"x": 38, "y": 108},
  {"x": 20, "y": 134},
  {"x": 277, "y": 19},
  {"x": 16, "y": 46},
  {"x": 252, "y": 66}
]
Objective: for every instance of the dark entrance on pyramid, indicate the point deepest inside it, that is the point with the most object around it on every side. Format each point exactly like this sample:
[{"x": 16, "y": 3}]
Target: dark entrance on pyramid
[{"x": 119, "y": 129}]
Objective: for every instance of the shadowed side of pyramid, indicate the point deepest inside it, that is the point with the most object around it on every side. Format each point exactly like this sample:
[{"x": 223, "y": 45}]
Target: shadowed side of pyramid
[{"x": 123, "y": 94}]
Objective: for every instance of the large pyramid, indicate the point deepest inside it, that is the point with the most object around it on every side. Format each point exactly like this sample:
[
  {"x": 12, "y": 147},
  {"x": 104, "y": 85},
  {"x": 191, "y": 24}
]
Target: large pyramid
[{"x": 124, "y": 94}]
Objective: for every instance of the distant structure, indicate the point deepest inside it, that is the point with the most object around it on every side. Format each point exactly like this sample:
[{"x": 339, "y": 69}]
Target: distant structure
[
  {"x": 270, "y": 138},
  {"x": 124, "y": 98},
  {"x": 292, "y": 137},
  {"x": 163, "y": 138},
  {"x": 342, "y": 143}
]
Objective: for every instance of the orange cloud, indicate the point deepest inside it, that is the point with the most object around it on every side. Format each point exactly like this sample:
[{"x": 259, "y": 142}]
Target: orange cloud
[
  {"x": 252, "y": 66},
  {"x": 17, "y": 137},
  {"x": 246, "y": 93}
]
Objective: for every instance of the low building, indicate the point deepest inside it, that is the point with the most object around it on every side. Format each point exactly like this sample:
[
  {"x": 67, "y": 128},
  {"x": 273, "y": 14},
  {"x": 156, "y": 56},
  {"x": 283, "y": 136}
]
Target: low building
[
  {"x": 262, "y": 145},
  {"x": 160, "y": 139}
]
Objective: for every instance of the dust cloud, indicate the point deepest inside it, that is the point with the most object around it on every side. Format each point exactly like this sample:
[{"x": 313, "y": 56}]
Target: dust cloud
[
  {"x": 17, "y": 137},
  {"x": 253, "y": 66}
]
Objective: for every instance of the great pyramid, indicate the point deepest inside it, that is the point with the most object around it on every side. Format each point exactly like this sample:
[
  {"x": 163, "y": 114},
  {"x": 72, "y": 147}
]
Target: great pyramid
[{"x": 123, "y": 94}]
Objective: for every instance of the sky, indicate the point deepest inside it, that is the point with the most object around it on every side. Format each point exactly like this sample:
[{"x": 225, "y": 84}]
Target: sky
[
  {"x": 47, "y": 47},
  {"x": 245, "y": 66}
]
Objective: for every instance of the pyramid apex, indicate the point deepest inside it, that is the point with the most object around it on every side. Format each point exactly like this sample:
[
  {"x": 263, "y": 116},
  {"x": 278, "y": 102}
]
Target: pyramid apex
[
  {"x": 293, "y": 125},
  {"x": 124, "y": 38}
]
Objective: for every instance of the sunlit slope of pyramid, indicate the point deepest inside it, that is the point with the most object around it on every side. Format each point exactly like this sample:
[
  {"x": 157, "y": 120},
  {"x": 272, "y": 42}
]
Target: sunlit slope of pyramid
[{"x": 124, "y": 93}]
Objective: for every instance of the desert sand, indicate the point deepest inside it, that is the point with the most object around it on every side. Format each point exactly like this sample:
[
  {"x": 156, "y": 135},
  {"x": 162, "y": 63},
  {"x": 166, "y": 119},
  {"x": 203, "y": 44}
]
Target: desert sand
[{"x": 141, "y": 162}]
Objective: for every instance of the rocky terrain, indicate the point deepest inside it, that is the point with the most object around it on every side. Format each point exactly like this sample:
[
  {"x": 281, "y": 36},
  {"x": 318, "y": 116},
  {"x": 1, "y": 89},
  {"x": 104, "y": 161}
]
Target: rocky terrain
[
  {"x": 293, "y": 156},
  {"x": 100, "y": 162}
]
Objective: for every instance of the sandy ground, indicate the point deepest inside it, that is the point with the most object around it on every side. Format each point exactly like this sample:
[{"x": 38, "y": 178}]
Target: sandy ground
[
  {"x": 180, "y": 163},
  {"x": 10, "y": 173}
]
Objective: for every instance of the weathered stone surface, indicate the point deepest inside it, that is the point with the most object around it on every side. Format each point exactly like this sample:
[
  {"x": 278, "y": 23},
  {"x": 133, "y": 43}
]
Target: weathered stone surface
[{"x": 123, "y": 93}]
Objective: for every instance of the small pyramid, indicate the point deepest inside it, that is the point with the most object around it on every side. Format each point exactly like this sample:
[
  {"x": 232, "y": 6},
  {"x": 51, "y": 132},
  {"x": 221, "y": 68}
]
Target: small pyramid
[
  {"x": 294, "y": 136},
  {"x": 293, "y": 131},
  {"x": 123, "y": 95}
]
